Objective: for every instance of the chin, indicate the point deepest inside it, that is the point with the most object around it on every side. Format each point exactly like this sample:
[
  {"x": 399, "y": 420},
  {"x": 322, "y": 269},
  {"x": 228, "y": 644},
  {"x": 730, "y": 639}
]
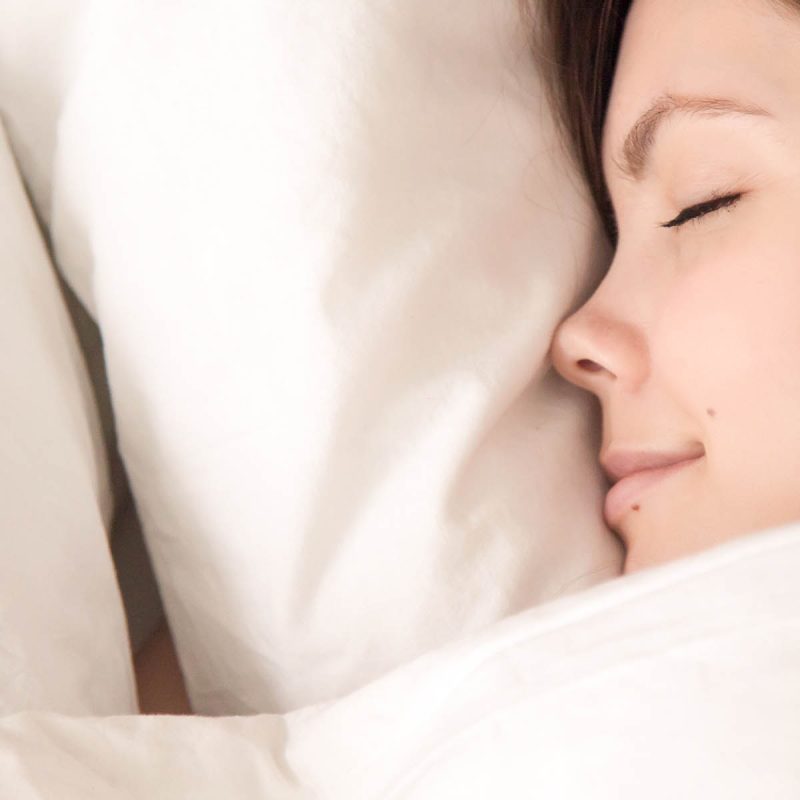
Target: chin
[
  {"x": 629, "y": 566},
  {"x": 634, "y": 562}
]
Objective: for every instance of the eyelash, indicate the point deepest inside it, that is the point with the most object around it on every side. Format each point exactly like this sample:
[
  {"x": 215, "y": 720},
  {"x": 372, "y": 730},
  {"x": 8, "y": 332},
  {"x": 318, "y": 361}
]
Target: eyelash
[{"x": 696, "y": 212}]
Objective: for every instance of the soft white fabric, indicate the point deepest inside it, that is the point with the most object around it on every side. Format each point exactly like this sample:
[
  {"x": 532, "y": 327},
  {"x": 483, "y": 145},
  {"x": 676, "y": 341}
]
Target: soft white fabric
[
  {"x": 327, "y": 246},
  {"x": 63, "y": 639},
  {"x": 681, "y": 681}
]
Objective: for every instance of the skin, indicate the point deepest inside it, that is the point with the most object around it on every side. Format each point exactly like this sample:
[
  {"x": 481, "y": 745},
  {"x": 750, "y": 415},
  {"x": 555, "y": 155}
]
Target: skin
[
  {"x": 159, "y": 681},
  {"x": 693, "y": 335}
]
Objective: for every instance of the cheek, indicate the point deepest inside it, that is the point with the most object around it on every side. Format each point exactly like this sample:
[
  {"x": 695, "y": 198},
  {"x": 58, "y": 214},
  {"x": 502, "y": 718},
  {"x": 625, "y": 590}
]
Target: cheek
[
  {"x": 728, "y": 349},
  {"x": 703, "y": 346},
  {"x": 730, "y": 326}
]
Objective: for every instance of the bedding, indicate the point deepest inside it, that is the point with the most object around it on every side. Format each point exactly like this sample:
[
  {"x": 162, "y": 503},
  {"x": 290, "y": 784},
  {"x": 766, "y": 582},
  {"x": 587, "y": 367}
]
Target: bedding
[
  {"x": 681, "y": 680},
  {"x": 326, "y": 253},
  {"x": 453, "y": 625},
  {"x": 63, "y": 639}
]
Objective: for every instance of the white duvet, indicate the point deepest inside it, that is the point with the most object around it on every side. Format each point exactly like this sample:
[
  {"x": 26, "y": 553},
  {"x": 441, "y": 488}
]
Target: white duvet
[{"x": 681, "y": 681}]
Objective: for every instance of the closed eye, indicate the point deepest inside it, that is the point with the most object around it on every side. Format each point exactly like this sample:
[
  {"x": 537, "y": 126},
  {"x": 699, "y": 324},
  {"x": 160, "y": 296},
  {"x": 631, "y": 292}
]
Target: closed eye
[{"x": 701, "y": 209}]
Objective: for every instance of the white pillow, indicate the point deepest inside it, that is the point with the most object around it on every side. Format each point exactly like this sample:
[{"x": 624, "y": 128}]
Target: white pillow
[
  {"x": 63, "y": 639},
  {"x": 327, "y": 247}
]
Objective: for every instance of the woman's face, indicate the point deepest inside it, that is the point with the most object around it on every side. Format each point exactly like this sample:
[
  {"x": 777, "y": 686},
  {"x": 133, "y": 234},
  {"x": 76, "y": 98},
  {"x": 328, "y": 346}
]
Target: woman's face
[{"x": 692, "y": 340}]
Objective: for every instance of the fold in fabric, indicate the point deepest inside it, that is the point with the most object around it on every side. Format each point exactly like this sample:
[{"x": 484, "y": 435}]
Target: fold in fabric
[
  {"x": 63, "y": 639},
  {"x": 676, "y": 681},
  {"x": 326, "y": 252}
]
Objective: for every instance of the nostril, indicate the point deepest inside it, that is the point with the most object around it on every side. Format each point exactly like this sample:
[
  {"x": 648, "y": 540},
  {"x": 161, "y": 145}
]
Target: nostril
[{"x": 586, "y": 363}]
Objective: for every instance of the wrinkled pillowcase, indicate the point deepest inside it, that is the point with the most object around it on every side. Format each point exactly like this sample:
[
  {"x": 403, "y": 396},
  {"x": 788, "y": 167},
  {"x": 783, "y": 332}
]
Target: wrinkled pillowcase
[
  {"x": 326, "y": 252},
  {"x": 63, "y": 637}
]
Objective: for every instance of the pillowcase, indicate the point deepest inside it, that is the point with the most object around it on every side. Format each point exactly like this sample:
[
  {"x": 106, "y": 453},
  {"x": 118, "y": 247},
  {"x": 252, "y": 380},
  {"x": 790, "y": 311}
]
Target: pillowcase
[
  {"x": 63, "y": 639},
  {"x": 326, "y": 251}
]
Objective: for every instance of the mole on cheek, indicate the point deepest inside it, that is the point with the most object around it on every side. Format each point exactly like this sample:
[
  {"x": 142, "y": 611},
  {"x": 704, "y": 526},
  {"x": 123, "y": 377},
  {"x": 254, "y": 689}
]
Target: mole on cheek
[
  {"x": 635, "y": 508},
  {"x": 711, "y": 412}
]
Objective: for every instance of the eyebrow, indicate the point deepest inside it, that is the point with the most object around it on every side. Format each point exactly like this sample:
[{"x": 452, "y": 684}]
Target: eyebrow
[{"x": 639, "y": 141}]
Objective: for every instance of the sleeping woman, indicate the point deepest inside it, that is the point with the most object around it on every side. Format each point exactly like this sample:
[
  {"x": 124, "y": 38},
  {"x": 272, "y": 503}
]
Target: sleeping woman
[{"x": 685, "y": 118}]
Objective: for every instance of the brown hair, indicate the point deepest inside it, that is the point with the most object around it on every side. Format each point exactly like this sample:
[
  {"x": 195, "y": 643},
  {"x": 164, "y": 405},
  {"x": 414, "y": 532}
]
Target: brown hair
[{"x": 576, "y": 45}]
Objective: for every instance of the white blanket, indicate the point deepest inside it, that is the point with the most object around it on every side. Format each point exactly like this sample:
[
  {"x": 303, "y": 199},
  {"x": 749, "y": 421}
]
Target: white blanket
[{"x": 681, "y": 681}]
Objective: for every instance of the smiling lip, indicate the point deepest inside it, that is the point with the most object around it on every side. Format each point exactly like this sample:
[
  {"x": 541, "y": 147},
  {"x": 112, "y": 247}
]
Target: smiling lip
[{"x": 625, "y": 491}]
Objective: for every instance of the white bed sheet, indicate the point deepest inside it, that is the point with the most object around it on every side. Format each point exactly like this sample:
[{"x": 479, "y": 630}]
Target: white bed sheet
[{"x": 677, "y": 681}]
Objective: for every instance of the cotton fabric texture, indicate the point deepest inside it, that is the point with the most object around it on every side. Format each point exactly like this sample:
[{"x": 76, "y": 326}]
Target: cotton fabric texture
[
  {"x": 63, "y": 639},
  {"x": 647, "y": 686},
  {"x": 326, "y": 253}
]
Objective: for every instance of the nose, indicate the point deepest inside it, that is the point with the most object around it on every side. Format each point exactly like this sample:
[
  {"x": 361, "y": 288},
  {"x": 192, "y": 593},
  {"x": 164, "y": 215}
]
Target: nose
[
  {"x": 593, "y": 348},
  {"x": 576, "y": 354}
]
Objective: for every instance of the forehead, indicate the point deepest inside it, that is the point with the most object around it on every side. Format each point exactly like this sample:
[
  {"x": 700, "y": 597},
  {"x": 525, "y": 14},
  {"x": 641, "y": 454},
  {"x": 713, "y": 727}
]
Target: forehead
[{"x": 744, "y": 49}]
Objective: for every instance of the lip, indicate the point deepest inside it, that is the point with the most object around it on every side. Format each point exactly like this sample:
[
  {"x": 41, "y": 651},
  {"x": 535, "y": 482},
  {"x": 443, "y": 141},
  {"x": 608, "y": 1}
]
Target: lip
[
  {"x": 628, "y": 489},
  {"x": 619, "y": 463}
]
